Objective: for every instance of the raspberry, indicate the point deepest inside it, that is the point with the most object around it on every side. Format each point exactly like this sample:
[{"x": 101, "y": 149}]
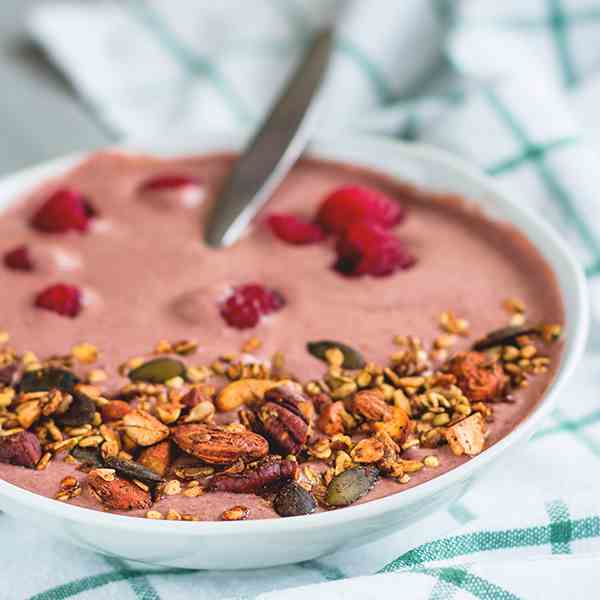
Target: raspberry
[
  {"x": 293, "y": 230},
  {"x": 66, "y": 209},
  {"x": 60, "y": 298},
  {"x": 352, "y": 203},
  {"x": 167, "y": 182},
  {"x": 19, "y": 259},
  {"x": 245, "y": 306},
  {"x": 369, "y": 249}
]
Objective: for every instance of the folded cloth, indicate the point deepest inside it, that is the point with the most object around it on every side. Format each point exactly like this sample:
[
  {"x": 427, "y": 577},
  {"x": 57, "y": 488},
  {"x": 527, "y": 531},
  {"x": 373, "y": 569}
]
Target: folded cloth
[{"x": 512, "y": 86}]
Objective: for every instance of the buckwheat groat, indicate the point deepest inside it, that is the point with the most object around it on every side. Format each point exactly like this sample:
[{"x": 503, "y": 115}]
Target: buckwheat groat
[{"x": 363, "y": 338}]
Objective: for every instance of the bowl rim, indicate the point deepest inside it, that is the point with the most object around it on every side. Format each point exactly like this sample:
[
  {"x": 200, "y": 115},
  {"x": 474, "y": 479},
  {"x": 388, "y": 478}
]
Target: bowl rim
[{"x": 360, "y": 150}]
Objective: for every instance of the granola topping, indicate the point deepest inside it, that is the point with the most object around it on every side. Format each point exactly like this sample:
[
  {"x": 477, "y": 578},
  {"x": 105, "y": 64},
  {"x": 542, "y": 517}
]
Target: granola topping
[{"x": 241, "y": 426}]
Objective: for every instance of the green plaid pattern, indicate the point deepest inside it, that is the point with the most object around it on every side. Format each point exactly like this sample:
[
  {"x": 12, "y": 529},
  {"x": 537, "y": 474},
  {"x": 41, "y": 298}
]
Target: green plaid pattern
[{"x": 489, "y": 80}]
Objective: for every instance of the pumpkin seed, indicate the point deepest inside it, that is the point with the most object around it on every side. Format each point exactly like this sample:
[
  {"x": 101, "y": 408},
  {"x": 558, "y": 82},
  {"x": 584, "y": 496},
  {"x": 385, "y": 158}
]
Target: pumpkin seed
[
  {"x": 352, "y": 358},
  {"x": 87, "y": 456},
  {"x": 351, "y": 485},
  {"x": 158, "y": 370},
  {"x": 132, "y": 470},
  {"x": 505, "y": 336},
  {"x": 81, "y": 411},
  {"x": 42, "y": 380},
  {"x": 293, "y": 500}
]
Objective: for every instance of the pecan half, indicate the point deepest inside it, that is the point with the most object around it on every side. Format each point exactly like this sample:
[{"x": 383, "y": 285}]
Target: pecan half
[
  {"x": 282, "y": 418},
  {"x": 217, "y": 445},
  {"x": 267, "y": 474},
  {"x": 117, "y": 493},
  {"x": 480, "y": 377}
]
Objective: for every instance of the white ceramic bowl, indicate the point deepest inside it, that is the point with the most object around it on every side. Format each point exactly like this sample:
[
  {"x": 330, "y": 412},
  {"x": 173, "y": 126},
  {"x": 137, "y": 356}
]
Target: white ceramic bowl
[{"x": 248, "y": 544}]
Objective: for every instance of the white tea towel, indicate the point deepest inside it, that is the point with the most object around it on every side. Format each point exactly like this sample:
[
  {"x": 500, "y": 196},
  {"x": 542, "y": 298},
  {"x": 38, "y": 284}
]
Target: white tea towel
[{"x": 513, "y": 86}]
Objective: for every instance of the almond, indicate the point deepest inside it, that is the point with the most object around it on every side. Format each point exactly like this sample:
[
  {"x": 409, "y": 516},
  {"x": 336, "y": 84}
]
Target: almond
[
  {"x": 144, "y": 429},
  {"x": 282, "y": 419},
  {"x": 371, "y": 405},
  {"x": 117, "y": 493},
  {"x": 217, "y": 445}
]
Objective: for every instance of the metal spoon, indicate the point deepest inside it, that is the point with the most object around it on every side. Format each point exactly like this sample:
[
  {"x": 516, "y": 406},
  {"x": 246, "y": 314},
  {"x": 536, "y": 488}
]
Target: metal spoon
[{"x": 274, "y": 149}]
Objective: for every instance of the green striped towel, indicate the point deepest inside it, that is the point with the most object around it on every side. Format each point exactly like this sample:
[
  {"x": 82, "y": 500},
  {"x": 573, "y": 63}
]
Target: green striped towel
[{"x": 511, "y": 85}]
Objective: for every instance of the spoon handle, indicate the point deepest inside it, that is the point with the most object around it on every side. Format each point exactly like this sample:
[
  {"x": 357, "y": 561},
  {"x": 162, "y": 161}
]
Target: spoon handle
[{"x": 273, "y": 150}]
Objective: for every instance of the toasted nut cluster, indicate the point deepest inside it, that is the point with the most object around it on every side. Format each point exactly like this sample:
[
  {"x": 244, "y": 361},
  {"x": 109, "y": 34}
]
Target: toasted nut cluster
[
  {"x": 480, "y": 377},
  {"x": 411, "y": 359},
  {"x": 371, "y": 405}
]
